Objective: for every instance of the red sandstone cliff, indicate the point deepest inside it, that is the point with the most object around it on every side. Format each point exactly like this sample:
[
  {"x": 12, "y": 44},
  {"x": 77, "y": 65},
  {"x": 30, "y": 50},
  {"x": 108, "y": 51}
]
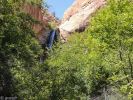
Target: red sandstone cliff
[{"x": 44, "y": 17}]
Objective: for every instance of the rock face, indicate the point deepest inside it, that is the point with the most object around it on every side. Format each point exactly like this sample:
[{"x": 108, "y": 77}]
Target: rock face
[
  {"x": 44, "y": 17},
  {"x": 76, "y": 18}
]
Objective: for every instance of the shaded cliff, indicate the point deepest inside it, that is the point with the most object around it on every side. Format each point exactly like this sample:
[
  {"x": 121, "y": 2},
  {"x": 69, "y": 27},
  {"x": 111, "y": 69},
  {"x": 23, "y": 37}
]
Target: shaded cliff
[
  {"x": 46, "y": 20},
  {"x": 76, "y": 18}
]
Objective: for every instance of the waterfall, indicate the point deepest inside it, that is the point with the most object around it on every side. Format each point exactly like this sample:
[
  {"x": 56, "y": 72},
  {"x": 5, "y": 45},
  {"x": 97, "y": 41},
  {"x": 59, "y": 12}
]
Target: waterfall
[{"x": 51, "y": 39}]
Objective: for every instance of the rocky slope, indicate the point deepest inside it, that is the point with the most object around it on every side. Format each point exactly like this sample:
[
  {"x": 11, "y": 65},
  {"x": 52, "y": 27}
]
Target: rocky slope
[
  {"x": 44, "y": 17},
  {"x": 76, "y": 18}
]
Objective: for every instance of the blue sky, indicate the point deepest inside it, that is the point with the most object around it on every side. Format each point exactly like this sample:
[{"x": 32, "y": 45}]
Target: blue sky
[{"x": 59, "y": 6}]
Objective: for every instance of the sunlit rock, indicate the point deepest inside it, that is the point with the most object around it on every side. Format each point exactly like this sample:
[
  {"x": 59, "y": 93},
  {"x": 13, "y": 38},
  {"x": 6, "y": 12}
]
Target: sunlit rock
[{"x": 76, "y": 18}]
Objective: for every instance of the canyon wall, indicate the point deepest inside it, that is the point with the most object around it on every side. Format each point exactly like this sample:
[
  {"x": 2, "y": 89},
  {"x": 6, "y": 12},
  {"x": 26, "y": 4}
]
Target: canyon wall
[
  {"x": 77, "y": 16},
  {"x": 44, "y": 17}
]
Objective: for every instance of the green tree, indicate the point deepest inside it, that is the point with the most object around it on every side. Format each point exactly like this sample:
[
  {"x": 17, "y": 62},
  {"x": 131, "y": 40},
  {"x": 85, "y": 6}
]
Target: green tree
[
  {"x": 19, "y": 50},
  {"x": 72, "y": 66},
  {"x": 114, "y": 26},
  {"x": 101, "y": 56}
]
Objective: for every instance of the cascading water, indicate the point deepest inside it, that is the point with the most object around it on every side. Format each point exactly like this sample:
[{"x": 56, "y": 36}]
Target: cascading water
[{"x": 51, "y": 39}]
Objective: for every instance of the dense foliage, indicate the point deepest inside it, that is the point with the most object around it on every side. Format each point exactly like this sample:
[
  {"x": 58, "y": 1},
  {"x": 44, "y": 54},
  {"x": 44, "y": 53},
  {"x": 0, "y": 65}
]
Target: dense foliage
[
  {"x": 97, "y": 59},
  {"x": 19, "y": 50},
  {"x": 90, "y": 63}
]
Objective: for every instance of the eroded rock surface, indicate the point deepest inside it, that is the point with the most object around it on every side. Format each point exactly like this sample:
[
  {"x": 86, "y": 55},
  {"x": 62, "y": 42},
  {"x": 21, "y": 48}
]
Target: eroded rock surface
[
  {"x": 76, "y": 18},
  {"x": 44, "y": 17}
]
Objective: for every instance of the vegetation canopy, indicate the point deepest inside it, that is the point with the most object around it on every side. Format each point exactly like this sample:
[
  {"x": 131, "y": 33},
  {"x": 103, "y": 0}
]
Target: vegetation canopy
[{"x": 95, "y": 64}]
